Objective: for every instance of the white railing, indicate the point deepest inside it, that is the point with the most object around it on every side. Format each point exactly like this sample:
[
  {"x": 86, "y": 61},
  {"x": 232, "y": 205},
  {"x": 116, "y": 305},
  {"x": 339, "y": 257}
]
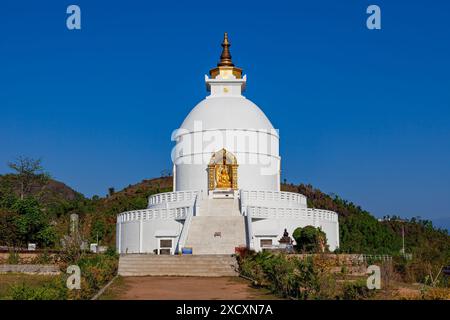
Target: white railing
[
  {"x": 298, "y": 213},
  {"x": 149, "y": 214},
  {"x": 186, "y": 225},
  {"x": 281, "y": 197},
  {"x": 177, "y": 196},
  {"x": 249, "y": 225},
  {"x": 376, "y": 257}
]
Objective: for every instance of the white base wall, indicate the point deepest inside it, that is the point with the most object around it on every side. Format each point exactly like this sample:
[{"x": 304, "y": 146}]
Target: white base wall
[
  {"x": 274, "y": 228},
  {"x": 133, "y": 240},
  {"x": 140, "y": 231}
]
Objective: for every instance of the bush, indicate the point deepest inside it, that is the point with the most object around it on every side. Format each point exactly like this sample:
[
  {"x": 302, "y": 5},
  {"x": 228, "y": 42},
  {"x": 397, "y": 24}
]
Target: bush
[
  {"x": 307, "y": 278},
  {"x": 436, "y": 294},
  {"x": 310, "y": 239},
  {"x": 43, "y": 258},
  {"x": 356, "y": 290},
  {"x": 54, "y": 290},
  {"x": 13, "y": 258},
  {"x": 249, "y": 267},
  {"x": 96, "y": 271},
  {"x": 111, "y": 252},
  {"x": 283, "y": 275},
  {"x": 280, "y": 275}
]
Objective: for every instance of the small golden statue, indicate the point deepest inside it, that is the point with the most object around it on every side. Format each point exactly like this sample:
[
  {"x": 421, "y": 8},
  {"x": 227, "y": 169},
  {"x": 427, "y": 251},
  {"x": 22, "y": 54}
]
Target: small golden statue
[
  {"x": 223, "y": 178},
  {"x": 222, "y": 171}
]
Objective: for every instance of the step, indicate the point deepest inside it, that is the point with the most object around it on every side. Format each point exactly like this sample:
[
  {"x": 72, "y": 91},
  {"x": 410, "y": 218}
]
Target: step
[
  {"x": 145, "y": 274},
  {"x": 190, "y": 265},
  {"x": 201, "y": 235},
  {"x": 151, "y": 269},
  {"x": 162, "y": 256},
  {"x": 180, "y": 261}
]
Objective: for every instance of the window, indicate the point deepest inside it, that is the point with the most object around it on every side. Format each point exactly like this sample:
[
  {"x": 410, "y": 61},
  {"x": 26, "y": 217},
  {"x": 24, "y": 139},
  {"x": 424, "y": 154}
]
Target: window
[
  {"x": 165, "y": 243},
  {"x": 165, "y": 246},
  {"x": 266, "y": 243}
]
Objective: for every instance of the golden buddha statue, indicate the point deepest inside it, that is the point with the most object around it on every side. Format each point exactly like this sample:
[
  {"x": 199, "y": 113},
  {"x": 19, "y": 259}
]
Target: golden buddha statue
[
  {"x": 222, "y": 171},
  {"x": 223, "y": 178}
]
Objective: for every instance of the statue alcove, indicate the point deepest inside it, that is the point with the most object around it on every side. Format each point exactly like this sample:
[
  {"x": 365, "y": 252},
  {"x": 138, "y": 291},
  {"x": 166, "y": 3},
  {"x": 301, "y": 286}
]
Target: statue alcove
[{"x": 222, "y": 171}]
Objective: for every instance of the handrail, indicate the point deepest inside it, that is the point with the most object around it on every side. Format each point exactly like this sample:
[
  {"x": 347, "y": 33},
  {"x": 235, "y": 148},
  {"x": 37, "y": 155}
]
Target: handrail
[
  {"x": 179, "y": 213},
  {"x": 276, "y": 196},
  {"x": 187, "y": 222},
  {"x": 307, "y": 213},
  {"x": 171, "y": 197},
  {"x": 248, "y": 220}
]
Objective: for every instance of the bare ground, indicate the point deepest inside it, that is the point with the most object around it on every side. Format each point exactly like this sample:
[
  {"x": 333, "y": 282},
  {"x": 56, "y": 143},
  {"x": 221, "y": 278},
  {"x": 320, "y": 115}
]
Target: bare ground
[{"x": 182, "y": 288}]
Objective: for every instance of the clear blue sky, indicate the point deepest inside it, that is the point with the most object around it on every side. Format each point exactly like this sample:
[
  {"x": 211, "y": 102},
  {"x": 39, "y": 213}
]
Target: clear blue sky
[{"x": 363, "y": 114}]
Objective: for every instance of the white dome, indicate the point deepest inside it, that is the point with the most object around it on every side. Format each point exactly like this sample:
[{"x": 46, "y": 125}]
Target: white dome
[{"x": 227, "y": 113}]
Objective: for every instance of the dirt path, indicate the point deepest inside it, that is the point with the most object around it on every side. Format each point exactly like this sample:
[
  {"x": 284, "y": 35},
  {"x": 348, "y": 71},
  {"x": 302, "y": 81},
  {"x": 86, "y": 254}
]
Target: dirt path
[{"x": 180, "y": 288}]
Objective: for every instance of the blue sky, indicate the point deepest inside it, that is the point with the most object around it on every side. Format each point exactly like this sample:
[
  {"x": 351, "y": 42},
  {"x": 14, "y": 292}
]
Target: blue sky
[{"x": 362, "y": 113}]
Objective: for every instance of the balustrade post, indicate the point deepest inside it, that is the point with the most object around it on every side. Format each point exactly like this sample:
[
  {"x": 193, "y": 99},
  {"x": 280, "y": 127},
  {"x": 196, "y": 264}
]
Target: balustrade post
[
  {"x": 119, "y": 236},
  {"x": 141, "y": 216}
]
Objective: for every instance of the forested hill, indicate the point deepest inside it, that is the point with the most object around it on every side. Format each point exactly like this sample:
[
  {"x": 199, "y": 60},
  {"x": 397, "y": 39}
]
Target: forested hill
[
  {"x": 45, "y": 192},
  {"x": 53, "y": 195},
  {"x": 360, "y": 232}
]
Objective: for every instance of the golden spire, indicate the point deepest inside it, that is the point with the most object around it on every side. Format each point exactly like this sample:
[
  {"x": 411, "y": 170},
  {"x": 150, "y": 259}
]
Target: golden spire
[
  {"x": 225, "y": 66},
  {"x": 225, "y": 57}
]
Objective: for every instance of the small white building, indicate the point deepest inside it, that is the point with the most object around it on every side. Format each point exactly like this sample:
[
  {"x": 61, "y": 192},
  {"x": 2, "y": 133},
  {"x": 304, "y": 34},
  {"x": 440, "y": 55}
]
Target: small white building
[{"x": 226, "y": 176}]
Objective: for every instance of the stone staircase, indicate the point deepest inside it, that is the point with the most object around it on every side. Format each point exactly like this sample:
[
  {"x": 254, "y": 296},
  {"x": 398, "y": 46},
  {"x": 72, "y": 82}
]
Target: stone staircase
[
  {"x": 217, "y": 229},
  {"x": 219, "y": 207},
  {"x": 170, "y": 265}
]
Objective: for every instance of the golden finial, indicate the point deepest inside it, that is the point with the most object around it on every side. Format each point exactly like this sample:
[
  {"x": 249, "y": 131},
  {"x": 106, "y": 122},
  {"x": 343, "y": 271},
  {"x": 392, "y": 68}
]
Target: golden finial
[
  {"x": 225, "y": 57},
  {"x": 225, "y": 65}
]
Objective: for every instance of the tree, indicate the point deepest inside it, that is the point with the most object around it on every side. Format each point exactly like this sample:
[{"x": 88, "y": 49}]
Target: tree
[
  {"x": 29, "y": 172},
  {"x": 98, "y": 230},
  {"x": 32, "y": 224},
  {"x": 310, "y": 239},
  {"x": 8, "y": 228}
]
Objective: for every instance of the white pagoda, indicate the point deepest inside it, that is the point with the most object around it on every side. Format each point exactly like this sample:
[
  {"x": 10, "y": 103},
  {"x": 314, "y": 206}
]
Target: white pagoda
[{"x": 226, "y": 182}]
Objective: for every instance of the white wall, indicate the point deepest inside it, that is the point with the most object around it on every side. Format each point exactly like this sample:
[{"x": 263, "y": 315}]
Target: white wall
[
  {"x": 257, "y": 155},
  {"x": 276, "y": 226},
  {"x": 151, "y": 227},
  {"x": 130, "y": 234},
  {"x": 129, "y": 242},
  {"x": 195, "y": 177}
]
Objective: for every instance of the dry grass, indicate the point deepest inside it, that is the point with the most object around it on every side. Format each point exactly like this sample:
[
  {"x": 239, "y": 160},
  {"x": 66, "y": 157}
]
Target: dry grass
[{"x": 9, "y": 279}]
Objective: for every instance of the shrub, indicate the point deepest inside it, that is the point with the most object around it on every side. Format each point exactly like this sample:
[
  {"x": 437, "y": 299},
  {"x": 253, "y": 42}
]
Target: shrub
[
  {"x": 280, "y": 275},
  {"x": 243, "y": 252},
  {"x": 96, "y": 270},
  {"x": 249, "y": 267},
  {"x": 43, "y": 258},
  {"x": 436, "y": 294},
  {"x": 283, "y": 275},
  {"x": 13, "y": 257},
  {"x": 310, "y": 239},
  {"x": 356, "y": 290},
  {"x": 54, "y": 290}
]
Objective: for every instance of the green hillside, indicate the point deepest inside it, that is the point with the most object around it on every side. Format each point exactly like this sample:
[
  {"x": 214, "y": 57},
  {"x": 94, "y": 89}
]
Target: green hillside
[
  {"x": 43, "y": 215},
  {"x": 361, "y": 232}
]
